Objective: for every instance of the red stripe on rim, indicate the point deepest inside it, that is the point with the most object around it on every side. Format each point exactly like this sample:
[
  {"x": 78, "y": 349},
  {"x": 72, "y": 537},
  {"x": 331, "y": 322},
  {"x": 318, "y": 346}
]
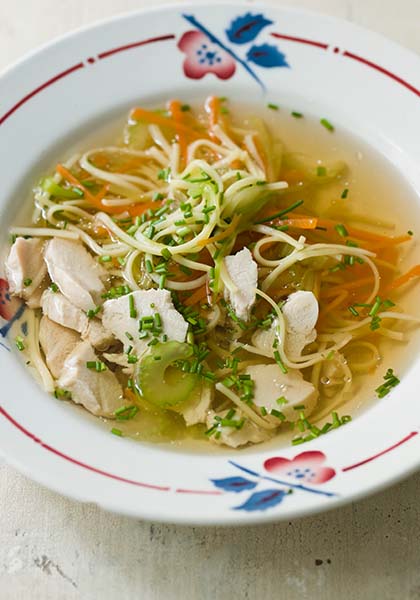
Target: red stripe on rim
[
  {"x": 292, "y": 38},
  {"x": 39, "y": 89},
  {"x": 79, "y": 463},
  {"x": 161, "y": 38},
  {"x": 367, "y": 460},
  {"x": 382, "y": 70}
]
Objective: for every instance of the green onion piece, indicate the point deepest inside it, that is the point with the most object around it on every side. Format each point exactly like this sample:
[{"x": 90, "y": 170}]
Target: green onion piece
[
  {"x": 263, "y": 411},
  {"x": 116, "y": 431},
  {"x": 92, "y": 312},
  {"x": 353, "y": 311},
  {"x": 410, "y": 232},
  {"x": 19, "y": 343},
  {"x": 297, "y": 115},
  {"x": 341, "y": 230},
  {"x": 375, "y": 308},
  {"x": 281, "y": 401},
  {"x": 272, "y": 106},
  {"x": 105, "y": 258},
  {"x": 282, "y": 213},
  {"x": 321, "y": 171},
  {"x": 133, "y": 311},
  {"x": 53, "y": 287},
  {"x": 185, "y": 107},
  {"x": 280, "y": 362},
  {"x": 345, "y": 193},
  {"x": 27, "y": 282},
  {"x": 325, "y": 123},
  {"x": 166, "y": 253},
  {"x": 278, "y": 414}
]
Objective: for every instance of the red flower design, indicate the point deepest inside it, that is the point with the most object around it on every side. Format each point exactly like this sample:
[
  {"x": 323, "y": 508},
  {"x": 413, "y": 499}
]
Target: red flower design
[
  {"x": 306, "y": 466},
  {"x": 8, "y": 305},
  {"x": 204, "y": 56}
]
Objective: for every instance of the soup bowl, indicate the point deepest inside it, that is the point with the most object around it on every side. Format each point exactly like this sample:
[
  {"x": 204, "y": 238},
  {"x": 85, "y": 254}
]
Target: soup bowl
[{"x": 262, "y": 53}]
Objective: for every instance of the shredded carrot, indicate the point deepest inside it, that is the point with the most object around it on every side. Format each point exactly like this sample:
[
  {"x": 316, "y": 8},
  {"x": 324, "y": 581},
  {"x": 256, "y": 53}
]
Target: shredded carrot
[
  {"x": 177, "y": 116},
  {"x": 334, "y": 304},
  {"x": 303, "y": 223},
  {"x": 130, "y": 395},
  {"x": 133, "y": 210},
  {"x": 198, "y": 295},
  {"x": 350, "y": 285},
  {"x": 236, "y": 164},
  {"x": 411, "y": 274},
  {"x": 223, "y": 234},
  {"x": 213, "y": 110},
  {"x": 141, "y": 114},
  {"x": 363, "y": 234}
]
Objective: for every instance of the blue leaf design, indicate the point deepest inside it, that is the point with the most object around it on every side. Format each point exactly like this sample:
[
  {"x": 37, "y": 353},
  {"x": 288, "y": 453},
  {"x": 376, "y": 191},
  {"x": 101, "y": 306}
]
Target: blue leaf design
[
  {"x": 266, "y": 56},
  {"x": 246, "y": 28},
  {"x": 234, "y": 484},
  {"x": 262, "y": 500}
]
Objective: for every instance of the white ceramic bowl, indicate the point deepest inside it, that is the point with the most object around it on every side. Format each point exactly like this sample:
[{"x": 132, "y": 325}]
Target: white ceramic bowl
[{"x": 329, "y": 66}]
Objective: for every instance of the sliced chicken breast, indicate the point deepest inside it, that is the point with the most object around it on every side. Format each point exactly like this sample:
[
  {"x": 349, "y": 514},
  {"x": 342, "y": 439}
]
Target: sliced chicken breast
[
  {"x": 99, "y": 392},
  {"x": 78, "y": 275}
]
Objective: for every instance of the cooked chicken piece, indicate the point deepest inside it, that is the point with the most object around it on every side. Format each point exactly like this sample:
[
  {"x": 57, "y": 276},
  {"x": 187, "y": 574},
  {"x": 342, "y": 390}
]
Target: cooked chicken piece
[
  {"x": 57, "y": 343},
  {"x": 243, "y": 272},
  {"x": 34, "y": 300},
  {"x": 232, "y": 436},
  {"x": 282, "y": 392},
  {"x": 99, "y": 392},
  {"x": 59, "y": 309},
  {"x": 97, "y": 335},
  {"x": 76, "y": 272},
  {"x": 25, "y": 267},
  {"x": 121, "y": 360},
  {"x": 195, "y": 410},
  {"x": 301, "y": 314},
  {"x": 145, "y": 303}
]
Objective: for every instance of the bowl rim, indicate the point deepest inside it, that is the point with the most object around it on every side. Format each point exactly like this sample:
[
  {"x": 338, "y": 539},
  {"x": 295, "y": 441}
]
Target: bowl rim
[{"x": 388, "y": 479}]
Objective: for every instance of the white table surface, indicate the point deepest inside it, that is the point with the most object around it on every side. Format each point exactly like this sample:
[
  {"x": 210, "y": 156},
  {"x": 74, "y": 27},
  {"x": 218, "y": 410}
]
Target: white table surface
[{"x": 54, "y": 548}]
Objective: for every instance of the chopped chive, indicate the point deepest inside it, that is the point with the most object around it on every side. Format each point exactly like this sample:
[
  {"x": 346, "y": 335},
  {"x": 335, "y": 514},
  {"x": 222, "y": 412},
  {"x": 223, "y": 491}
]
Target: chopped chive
[
  {"x": 148, "y": 265},
  {"x": 96, "y": 365},
  {"x": 27, "y": 282},
  {"x": 321, "y": 171},
  {"x": 185, "y": 107},
  {"x": 280, "y": 362},
  {"x": 19, "y": 343},
  {"x": 272, "y": 106},
  {"x": 410, "y": 232},
  {"x": 263, "y": 411},
  {"x": 375, "y": 308},
  {"x": 133, "y": 311},
  {"x": 278, "y": 414},
  {"x": 345, "y": 193},
  {"x": 53, "y": 287},
  {"x": 281, "y": 401},
  {"x": 129, "y": 336},
  {"x": 224, "y": 110},
  {"x": 298, "y": 440},
  {"x": 116, "y": 431},
  {"x": 105, "y": 258},
  {"x": 92, "y": 312},
  {"x": 353, "y": 311},
  {"x": 166, "y": 253},
  {"x": 325, "y": 123},
  {"x": 297, "y": 115},
  {"x": 341, "y": 230},
  {"x": 282, "y": 212}
]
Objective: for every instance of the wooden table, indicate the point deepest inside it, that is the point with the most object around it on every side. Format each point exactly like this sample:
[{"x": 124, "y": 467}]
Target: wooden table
[{"x": 53, "y": 548}]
